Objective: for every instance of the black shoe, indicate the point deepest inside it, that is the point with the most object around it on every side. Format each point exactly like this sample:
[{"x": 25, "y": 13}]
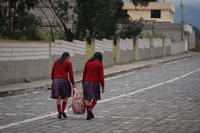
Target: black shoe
[
  {"x": 91, "y": 114},
  {"x": 59, "y": 116},
  {"x": 63, "y": 114},
  {"x": 88, "y": 118}
]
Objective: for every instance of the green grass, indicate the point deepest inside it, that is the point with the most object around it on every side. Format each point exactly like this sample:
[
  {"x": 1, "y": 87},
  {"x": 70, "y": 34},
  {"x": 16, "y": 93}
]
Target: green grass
[
  {"x": 48, "y": 36},
  {"x": 134, "y": 54},
  {"x": 44, "y": 36},
  {"x": 197, "y": 47},
  {"x": 89, "y": 52}
]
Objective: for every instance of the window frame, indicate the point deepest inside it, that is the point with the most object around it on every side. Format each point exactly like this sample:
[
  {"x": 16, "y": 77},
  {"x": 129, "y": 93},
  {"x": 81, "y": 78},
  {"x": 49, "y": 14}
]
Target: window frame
[{"x": 155, "y": 13}]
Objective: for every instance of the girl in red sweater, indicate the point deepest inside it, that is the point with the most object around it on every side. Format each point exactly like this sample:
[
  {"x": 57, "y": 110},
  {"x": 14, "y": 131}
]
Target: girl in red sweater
[
  {"x": 61, "y": 88},
  {"x": 92, "y": 77}
]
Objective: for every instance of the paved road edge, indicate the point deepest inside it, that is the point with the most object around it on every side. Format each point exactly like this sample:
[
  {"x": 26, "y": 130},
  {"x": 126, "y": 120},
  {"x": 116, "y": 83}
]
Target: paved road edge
[{"x": 44, "y": 88}]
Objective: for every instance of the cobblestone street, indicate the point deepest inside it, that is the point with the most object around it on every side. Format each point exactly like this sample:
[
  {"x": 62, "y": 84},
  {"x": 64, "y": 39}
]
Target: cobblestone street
[{"x": 163, "y": 99}]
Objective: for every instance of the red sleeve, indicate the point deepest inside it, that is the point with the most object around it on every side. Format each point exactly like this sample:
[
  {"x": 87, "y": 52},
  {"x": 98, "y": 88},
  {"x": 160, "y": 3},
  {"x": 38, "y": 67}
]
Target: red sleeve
[
  {"x": 71, "y": 76},
  {"x": 53, "y": 70},
  {"x": 101, "y": 76},
  {"x": 84, "y": 73}
]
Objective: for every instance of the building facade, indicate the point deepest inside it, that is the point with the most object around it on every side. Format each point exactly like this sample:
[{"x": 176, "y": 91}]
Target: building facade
[
  {"x": 158, "y": 11},
  {"x": 176, "y": 31}
]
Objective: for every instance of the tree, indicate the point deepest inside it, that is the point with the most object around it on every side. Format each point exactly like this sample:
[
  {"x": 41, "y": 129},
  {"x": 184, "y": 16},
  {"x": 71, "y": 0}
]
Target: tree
[
  {"x": 142, "y": 2},
  {"x": 62, "y": 14},
  {"x": 16, "y": 21},
  {"x": 3, "y": 12},
  {"x": 132, "y": 28},
  {"x": 97, "y": 18},
  {"x": 197, "y": 32},
  {"x": 60, "y": 10}
]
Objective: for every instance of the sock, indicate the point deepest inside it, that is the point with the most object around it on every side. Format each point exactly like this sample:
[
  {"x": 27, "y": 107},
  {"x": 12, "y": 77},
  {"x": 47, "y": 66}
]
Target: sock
[
  {"x": 88, "y": 115},
  {"x": 93, "y": 104},
  {"x": 64, "y": 105},
  {"x": 58, "y": 108}
]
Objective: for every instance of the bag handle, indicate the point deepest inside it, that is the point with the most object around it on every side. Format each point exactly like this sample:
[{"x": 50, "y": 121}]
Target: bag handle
[
  {"x": 74, "y": 91},
  {"x": 69, "y": 107}
]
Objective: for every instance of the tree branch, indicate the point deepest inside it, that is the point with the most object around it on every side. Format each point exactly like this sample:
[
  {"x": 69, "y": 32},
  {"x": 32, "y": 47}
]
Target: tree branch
[
  {"x": 50, "y": 21},
  {"x": 68, "y": 33},
  {"x": 57, "y": 20},
  {"x": 3, "y": 29},
  {"x": 57, "y": 15}
]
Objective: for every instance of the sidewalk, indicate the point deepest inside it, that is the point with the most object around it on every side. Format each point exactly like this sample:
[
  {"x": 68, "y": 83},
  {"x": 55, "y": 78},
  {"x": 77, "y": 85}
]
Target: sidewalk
[{"x": 43, "y": 85}]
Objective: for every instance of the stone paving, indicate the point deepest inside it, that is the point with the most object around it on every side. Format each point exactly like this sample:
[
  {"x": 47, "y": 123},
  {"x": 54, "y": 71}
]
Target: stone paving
[
  {"x": 44, "y": 84},
  {"x": 163, "y": 99}
]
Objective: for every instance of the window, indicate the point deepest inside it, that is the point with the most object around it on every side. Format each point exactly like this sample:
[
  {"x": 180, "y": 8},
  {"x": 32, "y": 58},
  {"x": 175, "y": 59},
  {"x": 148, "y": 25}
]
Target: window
[{"x": 155, "y": 14}]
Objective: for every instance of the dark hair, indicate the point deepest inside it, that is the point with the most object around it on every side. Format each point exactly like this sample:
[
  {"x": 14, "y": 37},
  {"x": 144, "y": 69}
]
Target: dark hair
[
  {"x": 97, "y": 56},
  {"x": 63, "y": 58}
]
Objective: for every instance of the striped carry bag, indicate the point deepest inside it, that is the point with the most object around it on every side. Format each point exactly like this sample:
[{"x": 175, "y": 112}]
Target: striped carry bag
[{"x": 78, "y": 103}]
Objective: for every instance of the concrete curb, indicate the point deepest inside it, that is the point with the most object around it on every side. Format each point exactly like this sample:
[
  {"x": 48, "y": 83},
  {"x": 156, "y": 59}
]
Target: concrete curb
[
  {"x": 23, "y": 91},
  {"x": 46, "y": 87},
  {"x": 151, "y": 65}
]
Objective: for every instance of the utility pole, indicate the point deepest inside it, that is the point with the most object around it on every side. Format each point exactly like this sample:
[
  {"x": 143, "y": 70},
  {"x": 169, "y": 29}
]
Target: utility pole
[
  {"x": 181, "y": 7},
  {"x": 182, "y": 22}
]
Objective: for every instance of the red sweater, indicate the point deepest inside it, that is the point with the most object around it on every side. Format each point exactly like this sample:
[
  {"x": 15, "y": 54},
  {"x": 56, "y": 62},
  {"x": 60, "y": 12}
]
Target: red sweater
[
  {"x": 61, "y": 71},
  {"x": 93, "y": 72}
]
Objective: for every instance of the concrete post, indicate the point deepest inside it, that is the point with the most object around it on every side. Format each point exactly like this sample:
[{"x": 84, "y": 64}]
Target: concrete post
[
  {"x": 118, "y": 51},
  {"x": 50, "y": 57},
  {"x": 163, "y": 47},
  {"x": 92, "y": 46},
  {"x": 133, "y": 49},
  {"x": 151, "y": 47},
  {"x": 85, "y": 50},
  {"x": 137, "y": 49}
]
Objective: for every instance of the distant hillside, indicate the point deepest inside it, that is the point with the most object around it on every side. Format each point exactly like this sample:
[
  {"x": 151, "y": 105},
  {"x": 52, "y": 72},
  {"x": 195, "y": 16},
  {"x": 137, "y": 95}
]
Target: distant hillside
[{"x": 197, "y": 32}]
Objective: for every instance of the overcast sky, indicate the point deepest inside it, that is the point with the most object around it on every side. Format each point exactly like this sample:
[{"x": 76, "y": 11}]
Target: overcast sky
[{"x": 191, "y": 11}]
